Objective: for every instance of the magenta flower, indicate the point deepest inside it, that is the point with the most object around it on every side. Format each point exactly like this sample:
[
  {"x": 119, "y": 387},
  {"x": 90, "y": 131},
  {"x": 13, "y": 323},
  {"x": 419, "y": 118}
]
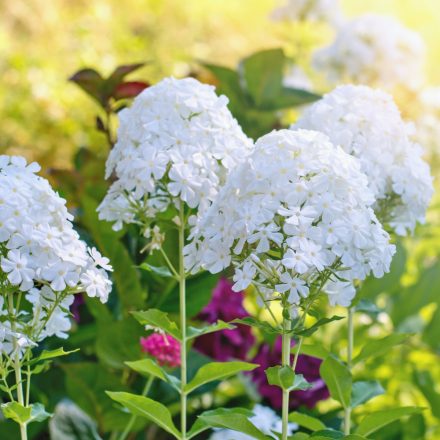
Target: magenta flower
[
  {"x": 164, "y": 348},
  {"x": 224, "y": 345},
  {"x": 307, "y": 366}
]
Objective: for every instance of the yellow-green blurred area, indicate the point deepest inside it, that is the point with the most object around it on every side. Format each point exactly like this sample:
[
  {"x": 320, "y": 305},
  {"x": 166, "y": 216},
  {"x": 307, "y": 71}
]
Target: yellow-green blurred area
[{"x": 43, "y": 42}]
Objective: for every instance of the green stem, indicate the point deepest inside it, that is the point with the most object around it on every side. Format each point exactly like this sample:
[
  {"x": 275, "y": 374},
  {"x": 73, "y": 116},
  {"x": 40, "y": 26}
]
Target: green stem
[
  {"x": 347, "y": 411},
  {"x": 133, "y": 418},
  {"x": 182, "y": 310},
  {"x": 17, "y": 364},
  {"x": 286, "y": 339}
]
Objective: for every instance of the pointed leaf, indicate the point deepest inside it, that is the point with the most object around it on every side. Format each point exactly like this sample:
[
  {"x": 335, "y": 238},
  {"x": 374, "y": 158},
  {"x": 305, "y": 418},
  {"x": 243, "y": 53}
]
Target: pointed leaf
[
  {"x": 51, "y": 354},
  {"x": 306, "y": 421},
  {"x": 262, "y": 325},
  {"x": 91, "y": 82},
  {"x": 262, "y": 73},
  {"x": 217, "y": 371},
  {"x": 193, "y": 332},
  {"x": 38, "y": 413},
  {"x": 161, "y": 271},
  {"x": 17, "y": 412},
  {"x": 236, "y": 419},
  {"x": 338, "y": 380},
  {"x": 377, "y": 420},
  {"x": 285, "y": 378},
  {"x": 158, "y": 319},
  {"x": 327, "y": 434},
  {"x": 289, "y": 97},
  {"x": 378, "y": 347},
  {"x": 198, "y": 427},
  {"x": 363, "y": 391},
  {"x": 147, "y": 367},
  {"x": 129, "y": 89},
  {"x": 426, "y": 384},
  {"x": 323, "y": 321},
  {"x": 148, "y": 408}
]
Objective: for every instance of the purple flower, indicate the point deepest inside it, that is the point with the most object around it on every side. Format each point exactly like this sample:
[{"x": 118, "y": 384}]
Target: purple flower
[
  {"x": 76, "y": 306},
  {"x": 224, "y": 345},
  {"x": 307, "y": 365}
]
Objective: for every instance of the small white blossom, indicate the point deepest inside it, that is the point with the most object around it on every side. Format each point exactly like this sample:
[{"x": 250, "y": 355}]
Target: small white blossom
[{"x": 309, "y": 10}]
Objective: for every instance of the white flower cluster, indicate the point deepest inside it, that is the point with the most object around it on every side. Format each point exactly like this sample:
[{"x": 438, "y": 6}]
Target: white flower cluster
[
  {"x": 264, "y": 418},
  {"x": 297, "y": 207},
  {"x": 41, "y": 254},
  {"x": 177, "y": 141},
  {"x": 374, "y": 50},
  {"x": 427, "y": 124},
  {"x": 367, "y": 124},
  {"x": 309, "y": 10}
]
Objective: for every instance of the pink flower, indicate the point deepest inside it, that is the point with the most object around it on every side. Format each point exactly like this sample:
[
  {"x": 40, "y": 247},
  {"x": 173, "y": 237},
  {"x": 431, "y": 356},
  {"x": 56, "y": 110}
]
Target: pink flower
[{"x": 164, "y": 348}]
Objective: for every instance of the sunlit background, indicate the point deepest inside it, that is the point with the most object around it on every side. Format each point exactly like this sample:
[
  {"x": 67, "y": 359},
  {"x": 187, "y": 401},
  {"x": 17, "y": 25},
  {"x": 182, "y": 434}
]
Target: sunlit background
[{"x": 42, "y": 43}]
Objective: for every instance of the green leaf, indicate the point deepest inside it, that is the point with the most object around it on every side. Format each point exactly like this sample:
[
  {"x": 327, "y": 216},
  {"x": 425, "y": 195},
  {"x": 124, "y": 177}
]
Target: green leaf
[
  {"x": 375, "y": 421},
  {"x": 17, "y": 412},
  {"x": 198, "y": 427},
  {"x": 158, "y": 319},
  {"x": 354, "y": 437},
  {"x": 323, "y": 321},
  {"x": 71, "y": 423},
  {"x": 118, "y": 341},
  {"x": 327, "y": 434},
  {"x": 148, "y": 367},
  {"x": 338, "y": 380},
  {"x": 118, "y": 75},
  {"x": 51, "y": 354},
  {"x": 161, "y": 271},
  {"x": 193, "y": 332},
  {"x": 262, "y": 73},
  {"x": 378, "y": 347},
  {"x": 261, "y": 325},
  {"x": 289, "y": 97},
  {"x": 38, "y": 413},
  {"x": 432, "y": 331},
  {"x": 148, "y": 408},
  {"x": 285, "y": 378},
  {"x": 236, "y": 419},
  {"x": 315, "y": 350},
  {"x": 363, "y": 391},
  {"x": 427, "y": 385},
  {"x": 217, "y": 371},
  {"x": 306, "y": 421},
  {"x": 125, "y": 275},
  {"x": 86, "y": 383}
]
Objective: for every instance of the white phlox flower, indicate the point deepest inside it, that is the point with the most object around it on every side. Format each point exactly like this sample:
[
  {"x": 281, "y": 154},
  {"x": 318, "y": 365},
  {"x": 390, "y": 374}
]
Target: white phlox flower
[
  {"x": 177, "y": 141},
  {"x": 272, "y": 219},
  {"x": 367, "y": 124}
]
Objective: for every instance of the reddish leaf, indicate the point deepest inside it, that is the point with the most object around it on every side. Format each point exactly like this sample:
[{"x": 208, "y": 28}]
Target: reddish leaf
[
  {"x": 118, "y": 76},
  {"x": 91, "y": 82},
  {"x": 129, "y": 89}
]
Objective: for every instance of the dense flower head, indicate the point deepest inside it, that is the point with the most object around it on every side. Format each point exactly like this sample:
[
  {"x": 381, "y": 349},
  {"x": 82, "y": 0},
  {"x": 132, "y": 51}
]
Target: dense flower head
[
  {"x": 164, "y": 348},
  {"x": 309, "y": 10},
  {"x": 374, "y": 50},
  {"x": 264, "y": 418},
  {"x": 40, "y": 252},
  {"x": 298, "y": 207},
  {"x": 228, "y": 344},
  {"x": 178, "y": 140},
  {"x": 367, "y": 124},
  {"x": 308, "y": 366}
]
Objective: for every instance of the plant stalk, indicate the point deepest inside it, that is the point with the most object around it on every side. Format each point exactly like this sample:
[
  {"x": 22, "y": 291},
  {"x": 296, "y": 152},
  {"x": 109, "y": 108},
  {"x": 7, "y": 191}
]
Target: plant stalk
[
  {"x": 286, "y": 340},
  {"x": 17, "y": 366},
  {"x": 133, "y": 418},
  {"x": 347, "y": 411},
  {"x": 182, "y": 310}
]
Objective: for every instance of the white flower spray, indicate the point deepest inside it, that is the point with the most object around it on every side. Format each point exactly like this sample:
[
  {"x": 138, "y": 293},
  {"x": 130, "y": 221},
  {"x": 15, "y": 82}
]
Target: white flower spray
[
  {"x": 367, "y": 124},
  {"x": 176, "y": 145},
  {"x": 43, "y": 263},
  {"x": 296, "y": 215}
]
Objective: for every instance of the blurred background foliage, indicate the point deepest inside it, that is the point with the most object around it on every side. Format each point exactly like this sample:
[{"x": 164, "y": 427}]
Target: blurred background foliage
[
  {"x": 46, "y": 118},
  {"x": 42, "y": 43}
]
